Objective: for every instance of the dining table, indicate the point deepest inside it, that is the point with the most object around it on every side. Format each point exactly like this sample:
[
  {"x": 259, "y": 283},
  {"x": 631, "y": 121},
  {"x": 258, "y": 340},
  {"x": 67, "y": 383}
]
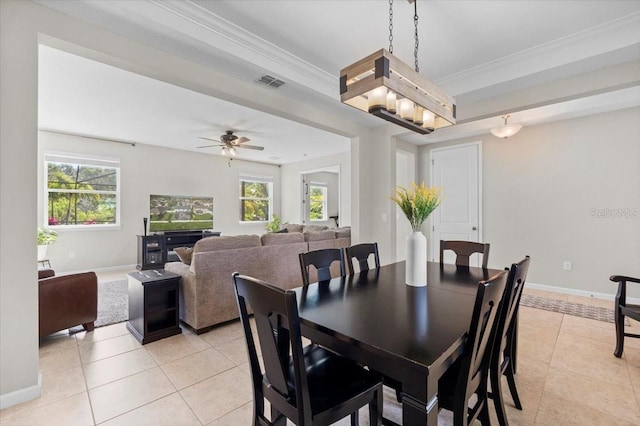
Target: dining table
[{"x": 411, "y": 335}]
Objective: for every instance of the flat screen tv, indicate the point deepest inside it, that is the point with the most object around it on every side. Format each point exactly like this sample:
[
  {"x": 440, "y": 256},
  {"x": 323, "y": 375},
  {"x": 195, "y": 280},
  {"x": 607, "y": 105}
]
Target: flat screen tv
[{"x": 180, "y": 213}]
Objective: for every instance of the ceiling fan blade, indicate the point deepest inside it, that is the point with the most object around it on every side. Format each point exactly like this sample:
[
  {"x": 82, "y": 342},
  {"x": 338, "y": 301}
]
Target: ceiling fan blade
[
  {"x": 207, "y": 146},
  {"x": 208, "y": 139},
  {"x": 255, "y": 147},
  {"x": 240, "y": 140}
]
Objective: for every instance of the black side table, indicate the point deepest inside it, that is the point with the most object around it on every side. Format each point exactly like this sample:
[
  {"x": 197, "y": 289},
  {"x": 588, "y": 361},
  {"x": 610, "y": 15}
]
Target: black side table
[{"x": 153, "y": 305}]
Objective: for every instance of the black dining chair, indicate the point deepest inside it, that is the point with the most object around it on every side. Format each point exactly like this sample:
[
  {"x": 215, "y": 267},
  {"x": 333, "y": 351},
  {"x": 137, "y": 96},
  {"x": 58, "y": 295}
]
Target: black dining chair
[
  {"x": 622, "y": 310},
  {"x": 504, "y": 348},
  {"x": 308, "y": 386},
  {"x": 470, "y": 373},
  {"x": 321, "y": 260},
  {"x": 361, "y": 253},
  {"x": 463, "y": 250}
]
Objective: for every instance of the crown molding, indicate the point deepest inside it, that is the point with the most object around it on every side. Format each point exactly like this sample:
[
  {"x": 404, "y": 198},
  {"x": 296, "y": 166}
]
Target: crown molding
[
  {"x": 595, "y": 41},
  {"x": 195, "y": 21}
]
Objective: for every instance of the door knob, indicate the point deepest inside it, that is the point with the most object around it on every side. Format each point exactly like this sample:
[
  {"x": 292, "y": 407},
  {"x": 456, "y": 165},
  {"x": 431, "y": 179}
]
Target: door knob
[{"x": 474, "y": 229}]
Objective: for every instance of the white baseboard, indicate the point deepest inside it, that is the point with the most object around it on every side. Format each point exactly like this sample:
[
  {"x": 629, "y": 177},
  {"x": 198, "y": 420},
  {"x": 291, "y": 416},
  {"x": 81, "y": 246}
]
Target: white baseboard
[
  {"x": 101, "y": 270},
  {"x": 21, "y": 395},
  {"x": 583, "y": 293}
]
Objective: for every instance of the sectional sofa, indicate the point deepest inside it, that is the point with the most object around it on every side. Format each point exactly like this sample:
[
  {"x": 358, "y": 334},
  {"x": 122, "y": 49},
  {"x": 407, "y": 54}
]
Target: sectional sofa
[{"x": 207, "y": 296}]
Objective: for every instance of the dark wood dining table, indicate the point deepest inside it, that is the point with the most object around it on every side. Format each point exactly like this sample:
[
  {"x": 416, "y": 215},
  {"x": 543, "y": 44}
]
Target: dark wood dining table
[{"x": 409, "y": 334}]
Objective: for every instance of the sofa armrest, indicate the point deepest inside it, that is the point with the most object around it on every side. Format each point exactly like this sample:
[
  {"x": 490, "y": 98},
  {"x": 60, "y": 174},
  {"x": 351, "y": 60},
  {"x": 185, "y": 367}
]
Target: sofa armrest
[{"x": 66, "y": 301}]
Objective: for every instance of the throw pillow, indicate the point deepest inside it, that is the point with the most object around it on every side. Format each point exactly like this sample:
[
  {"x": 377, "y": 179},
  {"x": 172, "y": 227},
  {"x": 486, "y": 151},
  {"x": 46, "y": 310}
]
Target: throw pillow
[
  {"x": 184, "y": 254},
  {"x": 282, "y": 231}
]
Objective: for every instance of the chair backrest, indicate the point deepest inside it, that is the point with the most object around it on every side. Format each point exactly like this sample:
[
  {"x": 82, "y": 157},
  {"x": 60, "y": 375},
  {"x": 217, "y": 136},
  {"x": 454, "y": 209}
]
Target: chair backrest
[
  {"x": 477, "y": 353},
  {"x": 463, "y": 250},
  {"x": 362, "y": 252},
  {"x": 322, "y": 261},
  {"x": 272, "y": 308},
  {"x": 505, "y": 331}
]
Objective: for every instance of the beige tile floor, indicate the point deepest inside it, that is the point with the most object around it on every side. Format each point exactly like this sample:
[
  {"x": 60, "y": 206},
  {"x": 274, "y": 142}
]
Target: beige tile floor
[{"x": 567, "y": 375}]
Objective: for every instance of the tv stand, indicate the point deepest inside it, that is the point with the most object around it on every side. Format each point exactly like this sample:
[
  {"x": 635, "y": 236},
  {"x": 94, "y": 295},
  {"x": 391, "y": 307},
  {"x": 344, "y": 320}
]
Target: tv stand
[{"x": 157, "y": 249}]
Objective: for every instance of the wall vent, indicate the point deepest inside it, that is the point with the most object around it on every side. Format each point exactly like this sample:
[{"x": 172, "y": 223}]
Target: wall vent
[{"x": 270, "y": 81}]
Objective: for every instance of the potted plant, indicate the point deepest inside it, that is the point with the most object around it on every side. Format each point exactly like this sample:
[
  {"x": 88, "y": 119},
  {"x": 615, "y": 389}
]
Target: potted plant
[
  {"x": 46, "y": 237},
  {"x": 417, "y": 203},
  {"x": 273, "y": 225}
]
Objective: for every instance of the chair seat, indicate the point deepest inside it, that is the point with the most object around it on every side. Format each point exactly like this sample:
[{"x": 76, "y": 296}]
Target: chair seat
[{"x": 332, "y": 379}]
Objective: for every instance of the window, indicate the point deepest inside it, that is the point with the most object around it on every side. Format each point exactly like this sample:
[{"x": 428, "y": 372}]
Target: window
[
  {"x": 82, "y": 191},
  {"x": 255, "y": 198},
  {"x": 318, "y": 201}
]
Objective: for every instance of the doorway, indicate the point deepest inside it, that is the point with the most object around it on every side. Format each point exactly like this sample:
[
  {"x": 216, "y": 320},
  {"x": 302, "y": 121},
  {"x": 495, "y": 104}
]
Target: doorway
[
  {"x": 458, "y": 171},
  {"x": 321, "y": 197},
  {"x": 405, "y": 174}
]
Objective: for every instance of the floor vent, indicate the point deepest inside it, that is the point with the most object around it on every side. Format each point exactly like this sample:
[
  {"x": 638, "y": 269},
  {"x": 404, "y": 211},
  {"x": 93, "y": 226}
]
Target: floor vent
[{"x": 270, "y": 81}]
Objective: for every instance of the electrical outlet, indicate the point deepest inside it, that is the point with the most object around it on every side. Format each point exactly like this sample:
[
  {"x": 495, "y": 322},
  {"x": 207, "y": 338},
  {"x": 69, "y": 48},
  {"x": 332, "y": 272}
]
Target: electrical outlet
[
  {"x": 72, "y": 255},
  {"x": 567, "y": 265}
]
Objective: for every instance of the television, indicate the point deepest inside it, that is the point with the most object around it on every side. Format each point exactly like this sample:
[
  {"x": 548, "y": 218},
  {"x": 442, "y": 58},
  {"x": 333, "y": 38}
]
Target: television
[{"x": 169, "y": 213}]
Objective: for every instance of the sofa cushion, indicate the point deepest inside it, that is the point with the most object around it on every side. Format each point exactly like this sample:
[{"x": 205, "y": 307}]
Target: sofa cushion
[
  {"x": 226, "y": 243},
  {"x": 184, "y": 254},
  {"x": 343, "y": 232},
  {"x": 320, "y": 235},
  {"x": 273, "y": 239},
  {"x": 314, "y": 228},
  {"x": 293, "y": 227}
]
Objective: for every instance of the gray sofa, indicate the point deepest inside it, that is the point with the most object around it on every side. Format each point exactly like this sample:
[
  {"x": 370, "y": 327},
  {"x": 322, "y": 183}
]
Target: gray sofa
[{"x": 207, "y": 297}]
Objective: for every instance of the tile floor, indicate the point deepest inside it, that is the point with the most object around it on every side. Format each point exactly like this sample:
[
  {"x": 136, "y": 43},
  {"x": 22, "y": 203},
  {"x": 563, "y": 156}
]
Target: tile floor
[{"x": 567, "y": 375}]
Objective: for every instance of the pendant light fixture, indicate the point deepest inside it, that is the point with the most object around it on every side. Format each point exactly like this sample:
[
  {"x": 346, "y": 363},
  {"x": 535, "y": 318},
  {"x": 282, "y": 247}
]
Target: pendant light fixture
[
  {"x": 507, "y": 130},
  {"x": 383, "y": 85}
]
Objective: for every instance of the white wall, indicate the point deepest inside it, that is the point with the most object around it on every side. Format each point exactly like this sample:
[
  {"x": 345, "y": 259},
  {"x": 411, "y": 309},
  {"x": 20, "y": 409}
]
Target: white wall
[
  {"x": 291, "y": 193},
  {"x": 145, "y": 170},
  {"x": 540, "y": 189}
]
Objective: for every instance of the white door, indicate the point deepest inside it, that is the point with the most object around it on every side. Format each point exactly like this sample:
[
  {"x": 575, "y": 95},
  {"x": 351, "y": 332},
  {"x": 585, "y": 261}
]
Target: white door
[
  {"x": 405, "y": 174},
  {"x": 457, "y": 170}
]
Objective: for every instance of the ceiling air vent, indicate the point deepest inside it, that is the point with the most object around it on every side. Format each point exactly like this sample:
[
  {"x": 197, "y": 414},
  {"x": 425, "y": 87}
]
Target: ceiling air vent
[{"x": 270, "y": 81}]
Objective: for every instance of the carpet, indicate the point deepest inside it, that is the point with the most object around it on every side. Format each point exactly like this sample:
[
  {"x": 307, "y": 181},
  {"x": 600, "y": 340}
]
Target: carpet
[
  {"x": 113, "y": 304},
  {"x": 569, "y": 308}
]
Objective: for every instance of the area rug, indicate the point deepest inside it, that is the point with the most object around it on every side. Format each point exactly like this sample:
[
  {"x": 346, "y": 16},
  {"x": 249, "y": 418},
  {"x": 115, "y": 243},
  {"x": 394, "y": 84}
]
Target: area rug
[
  {"x": 113, "y": 304},
  {"x": 569, "y": 308}
]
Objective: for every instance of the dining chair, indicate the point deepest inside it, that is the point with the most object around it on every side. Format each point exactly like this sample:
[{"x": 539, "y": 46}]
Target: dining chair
[
  {"x": 470, "y": 373},
  {"x": 321, "y": 260},
  {"x": 623, "y": 309},
  {"x": 308, "y": 386},
  {"x": 504, "y": 348},
  {"x": 463, "y": 250},
  {"x": 361, "y": 253}
]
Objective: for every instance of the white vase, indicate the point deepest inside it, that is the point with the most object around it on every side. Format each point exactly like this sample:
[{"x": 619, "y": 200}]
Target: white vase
[
  {"x": 42, "y": 252},
  {"x": 416, "y": 265}
]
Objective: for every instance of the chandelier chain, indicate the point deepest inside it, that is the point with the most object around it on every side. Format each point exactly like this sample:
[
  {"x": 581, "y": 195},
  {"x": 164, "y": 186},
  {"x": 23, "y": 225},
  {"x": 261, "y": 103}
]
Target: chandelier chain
[
  {"x": 390, "y": 26},
  {"x": 415, "y": 21}
]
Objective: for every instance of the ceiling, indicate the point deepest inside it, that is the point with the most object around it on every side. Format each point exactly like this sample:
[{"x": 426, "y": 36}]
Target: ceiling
[{"x": 474, "y": 50}]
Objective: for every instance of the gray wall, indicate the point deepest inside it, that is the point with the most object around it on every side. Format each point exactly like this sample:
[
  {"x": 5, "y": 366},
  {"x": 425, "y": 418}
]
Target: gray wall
[{"x": 543, "y": 192}]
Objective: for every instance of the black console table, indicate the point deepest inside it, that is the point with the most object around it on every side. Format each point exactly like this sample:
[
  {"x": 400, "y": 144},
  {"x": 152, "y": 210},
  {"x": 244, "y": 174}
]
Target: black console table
[
  {"x": 156, "y": 250},
  {"x": 153, "y": 305}
]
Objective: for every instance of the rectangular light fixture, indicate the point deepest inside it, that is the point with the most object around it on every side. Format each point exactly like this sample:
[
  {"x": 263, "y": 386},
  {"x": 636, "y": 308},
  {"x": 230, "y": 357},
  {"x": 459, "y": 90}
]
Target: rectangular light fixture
[{"x": 383, "y": 85}]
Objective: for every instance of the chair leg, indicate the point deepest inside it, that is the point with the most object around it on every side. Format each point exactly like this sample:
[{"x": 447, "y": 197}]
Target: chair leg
[
  {"x": 496, "y": 394},
  {"x": 511, "y": 380},
  {"x": 375, "y": 412},
  {"x": 88, "y": 326},
  {"x": 354, "y": 419},
  {"x": 483, "y": 417},
  {"x": 619, "y": 333},
  {"x": 399, "y": 396}
]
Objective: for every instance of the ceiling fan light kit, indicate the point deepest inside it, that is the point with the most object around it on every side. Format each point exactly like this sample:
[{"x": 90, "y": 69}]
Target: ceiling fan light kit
[
  {"x": 507, "y": 130},
  {"x": 383, "y": 85}
]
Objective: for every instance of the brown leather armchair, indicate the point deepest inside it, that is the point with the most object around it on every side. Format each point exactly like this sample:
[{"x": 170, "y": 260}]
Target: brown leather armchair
[{"x": 66, "y": 301}]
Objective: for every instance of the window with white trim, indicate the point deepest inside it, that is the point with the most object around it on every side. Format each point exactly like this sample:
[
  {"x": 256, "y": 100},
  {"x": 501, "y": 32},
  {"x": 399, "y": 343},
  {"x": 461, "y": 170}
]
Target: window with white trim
[
  {"x": 82, "y": 191},
  {"x": 256, "y": 198},
  {"x": 318, "y": 201}
]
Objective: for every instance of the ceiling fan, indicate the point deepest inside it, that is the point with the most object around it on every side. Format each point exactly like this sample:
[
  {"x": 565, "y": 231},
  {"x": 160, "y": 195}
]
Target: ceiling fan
[{"x": 230, "y": 142}]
